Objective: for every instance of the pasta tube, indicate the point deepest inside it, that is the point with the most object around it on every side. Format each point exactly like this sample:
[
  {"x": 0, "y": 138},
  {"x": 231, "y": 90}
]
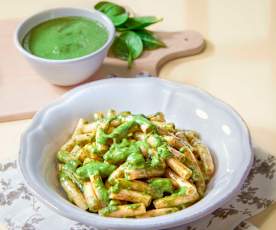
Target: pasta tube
[
  {"x": 69, "y": 145},
  {"x": 72, "y": 191},
  {"x": 100, "y": 190},
  {"x": 159, "y": 116},
  {"x": 117, "y": 202},
  {"x": 174, "y": 200},
  {"x": 118, "y": 173},
  {"x": 90, "y": 197},
  {"x": 188, "y": 158},
  {"x": 181, "y": 183},
  {"x": 157, "y": 212},
  {"x": 179, "y": 168},
  {"x": 206, "y": 158},
  {"x": 191, "y": 136},
  {"x": 128, "y": 210},
  {"x": 131, "y": 196},
  {"x": 79, "y": 127},
  {"x": 135, "y": 185},
  {"x": 132, "y": 174},
  {"x": 174, "y": 141}
]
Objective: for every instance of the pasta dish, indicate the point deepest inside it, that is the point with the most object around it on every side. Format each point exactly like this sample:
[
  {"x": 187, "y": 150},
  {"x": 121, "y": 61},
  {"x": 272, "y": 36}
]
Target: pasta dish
[{"x": 131, "y": 165}]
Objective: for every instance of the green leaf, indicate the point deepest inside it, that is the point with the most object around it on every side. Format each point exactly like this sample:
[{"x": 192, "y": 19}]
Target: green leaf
[
  {"x": 105, "y": 6},
  {"x": 99, "y": 5},
  {"x": 138, "y": 23},
  {"x": 119, "y": 19},
  {"x": 150, "y": 41},
  {"x": 116, "y": 13},
  {"x": 128, "y": 46},
  {"x": 134, "y": 43},
  {"x": 119, "y": 49}
]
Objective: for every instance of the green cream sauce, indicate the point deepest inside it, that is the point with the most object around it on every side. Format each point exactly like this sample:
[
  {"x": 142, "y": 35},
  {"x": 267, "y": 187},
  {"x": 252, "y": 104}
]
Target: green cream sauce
[
  {"x": 118, "y": 153},
  {"x": 136, "y": 160},
  {"x": 123, "y": 150},
  {"x": 126, "y": 151},
  {"x": 95, "y": 167},
  {"x": 161, "y": 185},
  {"x": 65, "y": 38}
]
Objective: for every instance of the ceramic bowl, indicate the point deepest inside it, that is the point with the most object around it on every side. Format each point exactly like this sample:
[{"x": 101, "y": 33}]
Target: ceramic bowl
[
  {"x": 69, "y": 71},
  {"x": 221, "y": 128}
]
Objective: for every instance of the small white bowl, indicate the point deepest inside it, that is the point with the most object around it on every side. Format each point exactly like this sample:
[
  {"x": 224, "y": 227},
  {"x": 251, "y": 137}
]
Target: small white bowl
[
  {"x": 69, "y": 71},
  {"x": 221, "y": 128}
]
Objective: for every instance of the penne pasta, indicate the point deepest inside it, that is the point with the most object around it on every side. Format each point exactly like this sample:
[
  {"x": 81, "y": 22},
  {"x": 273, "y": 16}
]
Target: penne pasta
[
  {"x": 72, "y": 191},
  {"x": 140, "y": 136},
  {"x": 157, "y": 117},
  {"x": 64, "y": 156},
  {"x": 60, "y": 166},
  {"x": 131, "y": 196},
  {"x": 181, "y": 183},
  {"x": 165, "y": 128},
  {"x": 174, "y": 200},
  {"x": 133, "y": 174},
  {"x": 206, "y": 158},
  {"x": 118, "y": 173},
  {"x": 117, "y": 202},
  {"x": 191, "y": 136},
  {"x": 100, "y": 190},
  {"x": 128, "y": 210},
  {"x": 90, "y": 128},
  {"x": 174, "y": 141},
  {"x": 79, "y": 127},
  {"x": 179, "y": 168},
  {"x": 157, "y": 212},
  {"x": 90, "y": 197},
  {"x": 111, "y": 113},
  {"x": 82, "y": 139},
  {"x": 75, "y": 149},
  {"x": 135, "y": 185},
  {"x": 115, "y": 123},
  {"x": 188, "y": 158},
  {"x": 69, "y": 145},
  {"x": 98, "y": 116}
]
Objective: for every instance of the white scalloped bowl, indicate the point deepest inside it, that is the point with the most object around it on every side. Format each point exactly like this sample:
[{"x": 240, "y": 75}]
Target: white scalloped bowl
[{"x": 222, "y": 129}]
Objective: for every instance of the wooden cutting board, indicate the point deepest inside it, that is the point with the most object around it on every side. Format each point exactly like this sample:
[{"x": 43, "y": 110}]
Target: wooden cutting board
[{"x": 23, "y": 91}]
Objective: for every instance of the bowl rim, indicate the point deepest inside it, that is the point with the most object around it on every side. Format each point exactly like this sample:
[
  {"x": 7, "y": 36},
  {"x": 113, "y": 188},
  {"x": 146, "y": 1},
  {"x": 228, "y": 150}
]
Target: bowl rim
[
  {"x": 173, "y": 219},
  {"x": 102, "y": 18}
]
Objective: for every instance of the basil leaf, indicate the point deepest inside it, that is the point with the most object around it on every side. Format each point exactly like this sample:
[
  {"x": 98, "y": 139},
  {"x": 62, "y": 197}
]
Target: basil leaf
[
  {"x": 119, "y": 19},
  {"x": 100, "y": 5},
  {"x": 134, "y": 43},
  {"x": 116, "y": 13},
  {"x": 103, "y": 6},
  {"x": 138, "y": 23},
  {"x": 150, "y": 41},
  {"x": 133, "y": 37},
  {"x": 119, "y": 49},
  {"x": 128, "y": 46}
]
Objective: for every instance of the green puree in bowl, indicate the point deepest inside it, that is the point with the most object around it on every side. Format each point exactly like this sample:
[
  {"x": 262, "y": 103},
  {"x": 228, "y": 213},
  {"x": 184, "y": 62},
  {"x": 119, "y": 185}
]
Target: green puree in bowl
[{"x": 65, "y": 38}]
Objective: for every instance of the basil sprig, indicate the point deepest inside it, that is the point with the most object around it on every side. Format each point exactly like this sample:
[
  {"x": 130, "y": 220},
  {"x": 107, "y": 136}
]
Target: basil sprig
[{"x": 132, "y": 36}]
